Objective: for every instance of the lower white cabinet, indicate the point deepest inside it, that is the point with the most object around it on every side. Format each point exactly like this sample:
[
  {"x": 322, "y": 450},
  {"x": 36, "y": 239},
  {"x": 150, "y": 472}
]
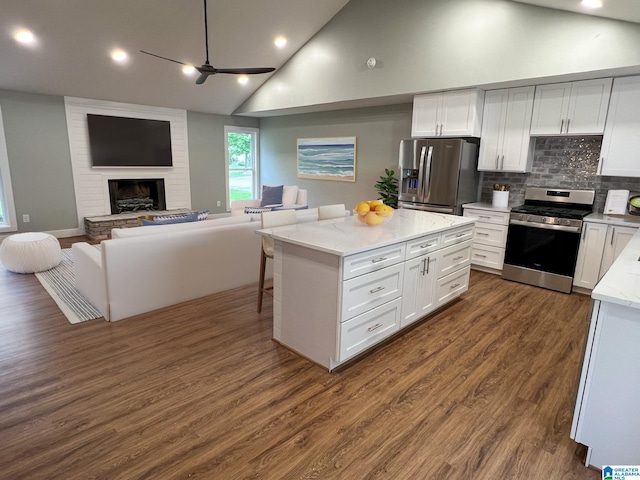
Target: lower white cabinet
[
  {"x": 489, "y": 237},
  {"x": 600, "y": 245},
  {"x": 419, "y": 294}
]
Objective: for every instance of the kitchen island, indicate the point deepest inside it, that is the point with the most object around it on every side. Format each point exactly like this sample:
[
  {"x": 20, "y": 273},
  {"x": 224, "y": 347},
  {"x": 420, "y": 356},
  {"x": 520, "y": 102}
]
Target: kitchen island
[
  {"x": 341, "y": 287},
  {"x": 605, "y": 417}
]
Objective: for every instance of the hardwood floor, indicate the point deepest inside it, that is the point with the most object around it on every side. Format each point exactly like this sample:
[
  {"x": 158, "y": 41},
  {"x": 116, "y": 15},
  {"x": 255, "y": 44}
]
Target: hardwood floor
[{"x": 482, "y": 390}]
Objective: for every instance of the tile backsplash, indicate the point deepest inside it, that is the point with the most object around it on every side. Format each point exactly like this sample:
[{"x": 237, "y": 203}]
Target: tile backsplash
[{"x": 564, "y": 162}]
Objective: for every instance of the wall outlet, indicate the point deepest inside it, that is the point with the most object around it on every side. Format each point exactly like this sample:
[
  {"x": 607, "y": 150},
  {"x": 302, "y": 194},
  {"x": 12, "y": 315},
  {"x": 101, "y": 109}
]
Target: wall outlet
[
  {"x": 25, "y": 218},
  {"x": 218, "y": 203}
]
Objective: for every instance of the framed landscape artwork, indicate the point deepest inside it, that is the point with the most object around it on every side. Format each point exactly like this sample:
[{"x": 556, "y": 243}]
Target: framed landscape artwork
[{"x": 331, "y": 158}]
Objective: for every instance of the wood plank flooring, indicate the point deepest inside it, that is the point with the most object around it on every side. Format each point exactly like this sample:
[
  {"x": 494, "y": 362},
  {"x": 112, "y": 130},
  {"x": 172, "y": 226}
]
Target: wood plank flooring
[{"x": 482, "y": 390}]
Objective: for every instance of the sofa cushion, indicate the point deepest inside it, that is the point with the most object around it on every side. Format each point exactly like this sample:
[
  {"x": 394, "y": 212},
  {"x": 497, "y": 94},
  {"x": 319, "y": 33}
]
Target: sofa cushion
[
  {"x": 289, "y": 194},
  {"x": 191, "y": 217},
  {"x": 271, "y": 195}
]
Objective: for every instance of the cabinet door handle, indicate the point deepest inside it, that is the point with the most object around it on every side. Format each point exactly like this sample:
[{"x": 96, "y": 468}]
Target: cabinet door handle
[
  {"x": 584, "y": 233},
  {"x": 455, "y": 285},
  {"x": 502, "y": 163},
  {"x": 479, "y": 255},
  {"x": 427, "y": 263},
  {"x": 613, "y": 234},
  {"x": 458, "y": 257},
  {"x": 601, "y": 166},
  {"x": 377, "y": 260},
  {"x": 375, "y": 327},
  {"x": 437, "y": 129},
  {"x": 497, "y": 160},
  {"x": 562, "y": 125},
  {"x": 483, "y": 234},
  {"x": 424, "y": 266},
  {"x": 567, "y": 129},
  {"x": 376, "y": 290}
]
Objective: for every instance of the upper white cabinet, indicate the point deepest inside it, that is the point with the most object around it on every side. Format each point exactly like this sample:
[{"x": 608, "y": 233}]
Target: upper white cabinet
[
  {"x": 456, "y": 113},
  {"x": 576, "y": 108},
  {"x": 620, "y": 154},
  {"x": 505, "y": 130}
]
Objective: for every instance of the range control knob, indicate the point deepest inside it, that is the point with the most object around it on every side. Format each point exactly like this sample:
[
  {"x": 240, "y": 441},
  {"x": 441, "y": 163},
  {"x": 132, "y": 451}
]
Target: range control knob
[
  {"x": 567, "y": 222},
  {"x": 544, "y": 219}
]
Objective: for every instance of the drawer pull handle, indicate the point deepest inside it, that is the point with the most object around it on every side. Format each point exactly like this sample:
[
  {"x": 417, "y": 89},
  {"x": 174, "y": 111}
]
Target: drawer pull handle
[
  {"x": 426, "y": 245},
  {"x": 458, "y": 257},
  {"x": 376, "y": 290},
  {"x": 455, "y": 285},
  {"x": 376, "y": 260},
  {"x": 484, "y": 216},
  {"x": 375, "y": 327},
  {"x": 461, "y": 235},
  {"x": 483, "y": 233},
  {"x": 479, "y": 255}
]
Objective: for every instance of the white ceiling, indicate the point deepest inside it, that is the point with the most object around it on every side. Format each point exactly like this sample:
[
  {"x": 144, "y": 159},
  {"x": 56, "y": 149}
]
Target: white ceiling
[{"x": 75, "y": 38}]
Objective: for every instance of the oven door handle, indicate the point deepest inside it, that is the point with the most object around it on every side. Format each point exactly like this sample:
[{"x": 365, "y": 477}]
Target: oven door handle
[{"x": 546, "y": 226}]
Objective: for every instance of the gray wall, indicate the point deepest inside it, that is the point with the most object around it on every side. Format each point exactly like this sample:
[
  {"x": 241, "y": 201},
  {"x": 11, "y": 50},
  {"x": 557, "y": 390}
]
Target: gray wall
[
  {"x": 378, "y": 131},
  {"x": 39, "y": 160},
  {"x": 428, "y": 45},
  {"x": 206, "y": 158}
]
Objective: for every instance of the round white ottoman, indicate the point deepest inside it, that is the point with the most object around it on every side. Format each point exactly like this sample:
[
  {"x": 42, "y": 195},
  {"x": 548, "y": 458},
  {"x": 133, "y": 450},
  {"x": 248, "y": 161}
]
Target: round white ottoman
[{"x": 30, "y": 252}]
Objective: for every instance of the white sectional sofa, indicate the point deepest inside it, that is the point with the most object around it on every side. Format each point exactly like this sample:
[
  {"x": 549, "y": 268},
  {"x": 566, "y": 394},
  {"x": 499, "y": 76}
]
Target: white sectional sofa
[{"x": 146, "y": 268}]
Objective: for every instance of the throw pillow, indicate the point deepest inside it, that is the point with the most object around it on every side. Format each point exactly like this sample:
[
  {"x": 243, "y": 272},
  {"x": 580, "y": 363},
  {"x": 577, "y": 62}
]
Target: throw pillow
[
  {"x": 257, "y": 209},
  {"x": 271, "y": 195},
  {"x": 192, "y": 217},
  {"x": 289, "y": 194},
  {"x": 203, "y": 215}
]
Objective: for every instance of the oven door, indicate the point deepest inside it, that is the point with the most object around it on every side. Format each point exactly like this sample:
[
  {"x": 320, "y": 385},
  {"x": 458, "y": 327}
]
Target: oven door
[{"x": 542, "y": 255}]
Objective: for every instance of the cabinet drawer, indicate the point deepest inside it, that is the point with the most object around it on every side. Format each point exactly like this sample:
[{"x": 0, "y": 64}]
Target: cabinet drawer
[
  {"x": 457, "y": 235},
  {"x": 487, "y": 216},
  {"x": 453, "y": 258},
  {"x": 487, "y": 256},
  {"x": 490, "y": 234},
  {"x": 422, "y": 245},
  {"x": 371, "y": 290},
  {"x": 372, "y": 260},
  {"x": 452, "y": 286},
  {"x": 366, "y": 330}
]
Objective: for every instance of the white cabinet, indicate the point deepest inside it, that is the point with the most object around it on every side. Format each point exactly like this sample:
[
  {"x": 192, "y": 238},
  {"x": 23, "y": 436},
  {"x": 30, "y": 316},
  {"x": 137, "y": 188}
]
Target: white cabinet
[
  {"x": 620, "y": 153},
  {"x": 456, "y": 113},
  {"x": 489, "y": 238},
  {"x": 419, "y": 294},
  {"x": 577, "y": 108},
  {"x": 505, "y": 130},
  {"x": 587, "y": 272},
  {"x": 600, "y": 245},
  {"x": 617, "y": 239}
]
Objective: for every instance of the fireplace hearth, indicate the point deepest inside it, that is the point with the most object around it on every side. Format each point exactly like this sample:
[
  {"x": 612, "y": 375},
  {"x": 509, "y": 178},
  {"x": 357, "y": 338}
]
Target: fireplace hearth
[{"x": 133, "y": 195}]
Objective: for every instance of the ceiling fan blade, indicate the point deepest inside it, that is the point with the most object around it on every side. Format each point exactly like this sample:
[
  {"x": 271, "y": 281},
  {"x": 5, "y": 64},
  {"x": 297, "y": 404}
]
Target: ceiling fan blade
[
  {"x": 245, "y": 71},
  {"x": 164, "y": 58},
  {"x": 203, "y": 76}
]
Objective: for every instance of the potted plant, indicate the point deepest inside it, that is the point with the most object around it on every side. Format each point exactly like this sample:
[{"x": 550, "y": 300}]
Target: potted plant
[{"x": 387, "y": 188}]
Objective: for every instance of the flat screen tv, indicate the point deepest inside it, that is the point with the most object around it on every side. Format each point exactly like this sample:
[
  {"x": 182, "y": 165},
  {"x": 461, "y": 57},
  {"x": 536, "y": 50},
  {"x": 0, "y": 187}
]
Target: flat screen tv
[{"x": 129, "y": 142}]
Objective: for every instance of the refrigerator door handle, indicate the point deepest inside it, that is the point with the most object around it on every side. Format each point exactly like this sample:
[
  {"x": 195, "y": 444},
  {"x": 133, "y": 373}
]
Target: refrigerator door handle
[
  {"x": 427, "y": 174},
  {"x": 420, "y": 173}
]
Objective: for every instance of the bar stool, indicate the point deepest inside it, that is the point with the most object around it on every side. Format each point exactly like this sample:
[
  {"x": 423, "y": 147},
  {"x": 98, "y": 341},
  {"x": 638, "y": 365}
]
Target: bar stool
[
  {"x": 277, "y": 218},
  {"x": 326, "y": 212}
]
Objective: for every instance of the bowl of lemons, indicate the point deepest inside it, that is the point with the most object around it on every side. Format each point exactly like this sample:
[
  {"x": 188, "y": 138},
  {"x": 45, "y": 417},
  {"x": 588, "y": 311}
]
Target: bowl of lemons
[{"x": 373, "y": 212}]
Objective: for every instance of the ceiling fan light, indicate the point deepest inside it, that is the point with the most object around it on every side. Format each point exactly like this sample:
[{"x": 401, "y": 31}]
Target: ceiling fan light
[
  {"x": 243, "y": 79},
  {"x": 592, "y": 3},
  {"x": 188, "y": 69},
  {"x": 25, "y": 37},
  {"x": 280, "y": 42},
  {"x": 119, "y": 55}
]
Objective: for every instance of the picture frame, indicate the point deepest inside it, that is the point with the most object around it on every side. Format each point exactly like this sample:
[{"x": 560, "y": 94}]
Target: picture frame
[{"x": 328, "y": 158}]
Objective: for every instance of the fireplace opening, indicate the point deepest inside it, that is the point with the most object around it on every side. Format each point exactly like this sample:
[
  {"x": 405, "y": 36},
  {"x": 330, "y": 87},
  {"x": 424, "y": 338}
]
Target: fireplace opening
[{"x": 132, "y": 195}]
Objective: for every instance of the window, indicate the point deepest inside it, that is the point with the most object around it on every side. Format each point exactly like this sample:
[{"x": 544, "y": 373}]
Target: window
[
  {"x": 241, "y": 152},
  {"x": 7, "y": 210}
]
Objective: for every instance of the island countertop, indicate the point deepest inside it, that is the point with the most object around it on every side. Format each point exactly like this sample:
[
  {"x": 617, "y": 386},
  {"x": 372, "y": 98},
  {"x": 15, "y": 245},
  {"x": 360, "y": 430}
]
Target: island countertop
[
  {"x": 347, "y": 236},
  {"x": 621, "y": 283}
]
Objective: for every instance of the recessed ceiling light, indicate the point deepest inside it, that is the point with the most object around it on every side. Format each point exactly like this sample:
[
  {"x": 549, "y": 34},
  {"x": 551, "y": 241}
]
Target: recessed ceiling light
[
  {"x": 592, "y": 3},
  {"x": 188, "y": 69},
  {"x": 24, "y": 36},
  {"x": 119, "y": 55},
  {"x": 243, "y": 79},
  {"x": 280, "y": 42}
]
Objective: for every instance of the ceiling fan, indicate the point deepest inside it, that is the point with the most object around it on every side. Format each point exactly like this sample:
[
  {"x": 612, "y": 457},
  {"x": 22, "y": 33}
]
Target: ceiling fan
[{"x": 207, "y": 69}]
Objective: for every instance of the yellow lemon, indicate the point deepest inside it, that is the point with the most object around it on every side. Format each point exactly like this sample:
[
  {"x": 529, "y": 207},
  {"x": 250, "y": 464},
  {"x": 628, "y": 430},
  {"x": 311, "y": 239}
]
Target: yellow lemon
[
  {"x": 362, "y": 207},
  {"x": 374, "y": 203},
  {"x": 361, "y": 217},
  {"x": 384, "y": 210},
  {"x": 372, "y": 218}
]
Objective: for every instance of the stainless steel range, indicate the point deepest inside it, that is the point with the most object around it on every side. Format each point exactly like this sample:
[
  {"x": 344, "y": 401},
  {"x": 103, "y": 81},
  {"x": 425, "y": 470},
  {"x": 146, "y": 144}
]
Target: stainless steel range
[{"x": 544, "y": 237}]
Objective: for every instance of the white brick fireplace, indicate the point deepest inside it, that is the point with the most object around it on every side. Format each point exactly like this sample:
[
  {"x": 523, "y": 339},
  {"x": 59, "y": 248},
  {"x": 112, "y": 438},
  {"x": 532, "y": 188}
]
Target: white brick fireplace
[{"x": 91, "y": 184}]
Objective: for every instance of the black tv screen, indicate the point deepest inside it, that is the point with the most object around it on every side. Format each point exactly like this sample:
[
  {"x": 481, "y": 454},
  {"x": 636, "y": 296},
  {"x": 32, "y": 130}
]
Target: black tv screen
[{"x": 129, "y": 142}]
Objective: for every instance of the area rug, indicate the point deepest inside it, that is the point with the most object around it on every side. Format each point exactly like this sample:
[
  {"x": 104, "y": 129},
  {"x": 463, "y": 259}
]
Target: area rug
[{"x": 59, "y": 282}]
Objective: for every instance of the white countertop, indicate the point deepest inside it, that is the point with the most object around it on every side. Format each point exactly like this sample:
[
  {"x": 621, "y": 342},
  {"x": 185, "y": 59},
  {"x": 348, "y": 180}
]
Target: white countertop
[
  {"x": 621, "y": 284},
  {"x": 486, "y": 206},
  {"x": 612, "y": 220},
  {"x": 347, "y": 236}
]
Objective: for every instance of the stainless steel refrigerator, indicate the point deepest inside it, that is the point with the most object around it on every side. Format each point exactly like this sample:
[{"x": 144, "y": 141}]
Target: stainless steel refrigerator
[{"x": 438, "y": 175}]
